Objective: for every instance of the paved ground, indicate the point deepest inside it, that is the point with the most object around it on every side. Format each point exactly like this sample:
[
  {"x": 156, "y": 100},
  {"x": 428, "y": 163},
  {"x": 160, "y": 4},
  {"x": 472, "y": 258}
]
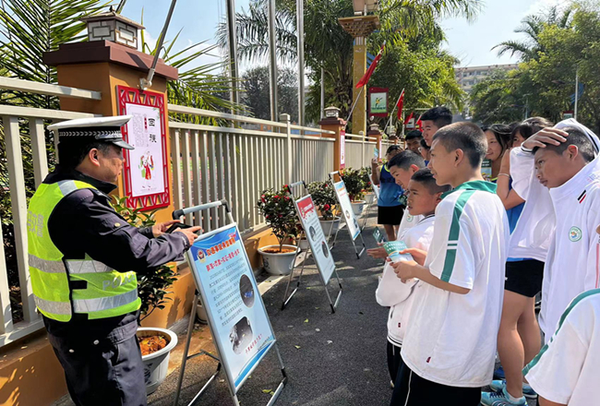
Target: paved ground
[{"x": 341, "y": 359}]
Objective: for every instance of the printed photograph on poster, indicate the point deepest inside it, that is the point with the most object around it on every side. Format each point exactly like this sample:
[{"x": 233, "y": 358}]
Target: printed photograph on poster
[
  {"x": 239, "y": 320},
  {"x": 316, "y": 237},
  {"x": 147, "y": 176},
  {"x": 344, "y": 199}
]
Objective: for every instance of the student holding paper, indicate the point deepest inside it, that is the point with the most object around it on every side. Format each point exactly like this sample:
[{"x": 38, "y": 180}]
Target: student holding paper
[{"x": 389, "y": 205}]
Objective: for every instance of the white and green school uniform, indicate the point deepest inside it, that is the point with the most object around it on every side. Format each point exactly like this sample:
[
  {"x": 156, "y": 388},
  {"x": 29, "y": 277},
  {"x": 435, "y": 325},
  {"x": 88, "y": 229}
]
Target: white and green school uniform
[
  {"x": 567, "y": 369},
  {"x": 392, "y": 292},
  {"x": 451, "y": 338},
  {"x": 407, "y": 223},
  {"x": 573, "y": 259}
]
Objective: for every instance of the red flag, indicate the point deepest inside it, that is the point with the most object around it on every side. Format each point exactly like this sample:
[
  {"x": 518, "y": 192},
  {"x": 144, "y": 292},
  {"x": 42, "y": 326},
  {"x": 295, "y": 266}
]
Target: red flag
[
  {"x": 365, "y": 79},
  {"x": 420, "y": 123},
  {"x": 410, "y": 117},
  {"x": 400, "y": 105}
]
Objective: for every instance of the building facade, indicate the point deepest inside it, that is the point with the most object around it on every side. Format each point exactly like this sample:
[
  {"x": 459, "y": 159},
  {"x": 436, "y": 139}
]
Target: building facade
[{"x": 467, "y": 77}]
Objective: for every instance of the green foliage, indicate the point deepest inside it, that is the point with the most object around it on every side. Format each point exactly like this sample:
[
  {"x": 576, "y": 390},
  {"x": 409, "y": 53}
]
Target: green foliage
[
  {"x": 355, "y": 185},
  {"x": 153, "y": 285},
  {"x": 365, "y": 175},
  {"x": 279, "y": 212},
  {"x": 255, "y": 83},
  {"x": 323, "y": 196}
]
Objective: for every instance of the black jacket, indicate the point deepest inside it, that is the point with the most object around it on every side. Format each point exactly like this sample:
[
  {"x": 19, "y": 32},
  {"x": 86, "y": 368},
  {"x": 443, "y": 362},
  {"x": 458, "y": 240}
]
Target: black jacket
[{"x": 85, "y": 223}]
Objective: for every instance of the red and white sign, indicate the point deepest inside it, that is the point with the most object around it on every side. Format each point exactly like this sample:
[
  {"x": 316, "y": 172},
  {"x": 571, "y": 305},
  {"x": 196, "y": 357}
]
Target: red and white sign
[
  {"x": 146, "y": 175},
  {"x": 342, "y": 149}
]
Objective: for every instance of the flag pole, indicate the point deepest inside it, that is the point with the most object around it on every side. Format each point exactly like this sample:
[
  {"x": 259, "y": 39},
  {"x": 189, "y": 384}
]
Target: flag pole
[
  {"x": 394, "y": 109},
  {"x": 354, "y": 105}
]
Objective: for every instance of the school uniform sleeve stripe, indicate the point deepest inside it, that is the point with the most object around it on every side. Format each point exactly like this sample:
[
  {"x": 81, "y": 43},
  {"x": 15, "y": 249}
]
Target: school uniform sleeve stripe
[
  {"x": 454, "y": 234},
  {"x": 574, "y": 303}
]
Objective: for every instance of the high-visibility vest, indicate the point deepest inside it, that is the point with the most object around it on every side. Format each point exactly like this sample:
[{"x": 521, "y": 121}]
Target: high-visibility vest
[{"x": 108, "y": 293}]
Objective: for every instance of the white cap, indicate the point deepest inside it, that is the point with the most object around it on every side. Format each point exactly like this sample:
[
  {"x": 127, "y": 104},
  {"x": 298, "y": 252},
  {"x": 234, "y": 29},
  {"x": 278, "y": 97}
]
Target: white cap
[{"x": 107, "y": 129}]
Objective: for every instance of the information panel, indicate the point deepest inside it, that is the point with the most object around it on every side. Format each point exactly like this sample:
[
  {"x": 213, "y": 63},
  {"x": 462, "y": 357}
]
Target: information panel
[
  {"x": 344, "y": 199},
  {"x": 237, "y": 314},
  {"x": 316, "y": 237}
]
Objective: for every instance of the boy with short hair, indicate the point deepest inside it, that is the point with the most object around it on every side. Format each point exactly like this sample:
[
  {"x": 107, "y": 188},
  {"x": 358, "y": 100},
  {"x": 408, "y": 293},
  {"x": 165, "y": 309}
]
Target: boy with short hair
[
  {"x": 423, "y": 197},
  {"x": 402, "y": 167},
  {"x": 450, "y": 345},
  {"x": 413, "y": 141},
  {"x": 565, "y": 162},
  {"x": 434, "y": 119}
]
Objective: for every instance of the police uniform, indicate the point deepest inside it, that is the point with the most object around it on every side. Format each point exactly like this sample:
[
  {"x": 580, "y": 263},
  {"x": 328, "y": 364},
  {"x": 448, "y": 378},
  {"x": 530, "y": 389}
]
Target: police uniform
[{"x": 83, "y": 261}]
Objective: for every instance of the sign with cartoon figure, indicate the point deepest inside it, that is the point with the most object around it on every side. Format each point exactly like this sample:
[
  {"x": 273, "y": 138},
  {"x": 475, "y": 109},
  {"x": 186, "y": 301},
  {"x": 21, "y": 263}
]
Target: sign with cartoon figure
[
  {"x": 145, "y": 175},
  {"x": 344, "y": 199},
  {"x": 235, "y": 309},
  {"x": 315, "y": 236}
]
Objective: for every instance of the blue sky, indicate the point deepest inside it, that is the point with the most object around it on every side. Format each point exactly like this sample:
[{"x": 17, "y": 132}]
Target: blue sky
[{"x": 470, "y": 42}]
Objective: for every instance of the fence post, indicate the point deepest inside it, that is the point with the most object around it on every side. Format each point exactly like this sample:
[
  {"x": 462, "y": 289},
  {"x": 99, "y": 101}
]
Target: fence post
[
  {"x": 363, "y": 140},
  {"x": 338, "y": 126},
  {"x": 285, "y": 118}
]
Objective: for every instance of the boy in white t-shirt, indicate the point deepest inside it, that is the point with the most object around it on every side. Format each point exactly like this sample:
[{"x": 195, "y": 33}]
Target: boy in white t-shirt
[
  {"x": 450, "y": 344},
  {"x": 567, "y": 370},
  {"x": 424, "y": 196}
]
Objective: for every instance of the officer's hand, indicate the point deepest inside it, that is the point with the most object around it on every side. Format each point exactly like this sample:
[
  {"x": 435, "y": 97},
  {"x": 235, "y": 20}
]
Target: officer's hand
[
  {"x": 190, "y": 233},
  {"x": 160, "y": 228}
]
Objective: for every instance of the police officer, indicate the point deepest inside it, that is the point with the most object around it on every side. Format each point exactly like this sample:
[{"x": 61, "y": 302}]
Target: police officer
[{"x": 83, "y": 261}]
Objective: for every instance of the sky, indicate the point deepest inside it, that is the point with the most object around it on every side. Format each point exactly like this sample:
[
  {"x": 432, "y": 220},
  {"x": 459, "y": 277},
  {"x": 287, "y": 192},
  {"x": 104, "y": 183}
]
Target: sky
[{"x": 471, "y": 42}]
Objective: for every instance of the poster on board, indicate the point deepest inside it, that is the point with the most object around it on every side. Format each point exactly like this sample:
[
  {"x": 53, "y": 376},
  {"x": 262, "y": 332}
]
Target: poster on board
[
  {"x": 316, "y": 237},
  {"x": 344, "y": 199},
  {"x": 145, "y": 171},
  {"x": 233, "y": 304}
]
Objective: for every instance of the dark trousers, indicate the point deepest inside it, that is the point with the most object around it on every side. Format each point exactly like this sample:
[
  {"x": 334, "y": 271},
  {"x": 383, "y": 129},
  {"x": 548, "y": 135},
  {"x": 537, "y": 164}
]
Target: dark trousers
[
  {"x": 102, "y": 372},
  {"x": 412, "y": 390},
  {"x": 394, "y": 360}
]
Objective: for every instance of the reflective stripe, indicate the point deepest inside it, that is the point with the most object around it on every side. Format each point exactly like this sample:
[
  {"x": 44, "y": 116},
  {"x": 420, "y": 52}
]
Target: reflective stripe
[
  {"x": 67, "y": 187},
  {"x": 104, "y": 303},
  {"x": 46, "y": 265},
  {"x": 78, "y": 266},
  {"x": 52, "y": 307}
]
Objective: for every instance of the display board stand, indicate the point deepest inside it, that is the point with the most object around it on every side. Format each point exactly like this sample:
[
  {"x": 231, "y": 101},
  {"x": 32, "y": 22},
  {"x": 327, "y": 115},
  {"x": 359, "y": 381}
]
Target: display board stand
[
  {"x": 348, "y": 215},
  {"x": 324, "y": 270},
  {"x": 233, "y": 385}
]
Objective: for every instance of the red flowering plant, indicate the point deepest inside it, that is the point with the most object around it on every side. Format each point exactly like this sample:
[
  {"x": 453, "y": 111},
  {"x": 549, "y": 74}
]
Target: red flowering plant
[
  {"x": 365, "y": 175},
  {"x": 324, "y": 198},
  {"x": 279, "y": 212}
]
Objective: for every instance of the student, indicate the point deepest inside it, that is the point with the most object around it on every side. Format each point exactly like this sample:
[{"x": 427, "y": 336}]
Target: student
[
  {"x": 565, "y": 163},
  {"x": 566, "y": 370},
  {"x": 389, "y": 206},
  {"x": 450, "y": 345},
  {"x": 423, "y": 197},
  {"x": 519, "y": 338},
  {"x": 424, "y": 150},
  {"x": 402, "y": 167},
  {"x": 434, "y": 119},
  {"x": 413, "y": 141},
  {"x": 498, "y": 138}
]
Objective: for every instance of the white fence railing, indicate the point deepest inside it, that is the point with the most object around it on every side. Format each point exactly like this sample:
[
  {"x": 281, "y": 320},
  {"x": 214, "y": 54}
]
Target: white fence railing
[
  {"x": 17, "y": 124},
  {"x": 213, "y": 163},
  {"x": 359, "y": 151}
]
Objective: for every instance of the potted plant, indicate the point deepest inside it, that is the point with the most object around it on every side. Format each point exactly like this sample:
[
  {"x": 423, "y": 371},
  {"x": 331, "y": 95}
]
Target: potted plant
[
  {"x": 355, "y": 187},
  {"x": 323, "y": 197},
  {"x": 365, "y": 174},
  {"x": 279, "y": 212},
  {"x": 155, "y": 343}
]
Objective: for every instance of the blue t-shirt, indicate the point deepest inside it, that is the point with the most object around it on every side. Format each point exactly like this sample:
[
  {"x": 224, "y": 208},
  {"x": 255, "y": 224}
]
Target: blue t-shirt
[
  {"x": 390, "y": 192},
  {"x": 513, "y": 217}
]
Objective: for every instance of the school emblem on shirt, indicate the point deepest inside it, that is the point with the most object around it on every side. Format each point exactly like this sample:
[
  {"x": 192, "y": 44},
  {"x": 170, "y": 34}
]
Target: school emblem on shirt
[
  {"x": 409, "y": 218},
  {"x": 575, "y": 234}
]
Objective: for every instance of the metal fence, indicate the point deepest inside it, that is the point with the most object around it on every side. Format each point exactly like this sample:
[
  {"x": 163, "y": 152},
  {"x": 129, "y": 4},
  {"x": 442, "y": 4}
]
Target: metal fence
[
  {"x": 233, "y": 163},
  {"x": 359, "y": 151}
]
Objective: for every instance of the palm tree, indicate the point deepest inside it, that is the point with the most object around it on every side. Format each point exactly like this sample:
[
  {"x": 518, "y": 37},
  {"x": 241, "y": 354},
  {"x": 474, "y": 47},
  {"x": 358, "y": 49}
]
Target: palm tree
[{"x": 532, "y": 26}]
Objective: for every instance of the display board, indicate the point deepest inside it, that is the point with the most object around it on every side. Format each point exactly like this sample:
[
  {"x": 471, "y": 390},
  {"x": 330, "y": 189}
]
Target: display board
[
  {"x": 316, "y": 237},
  {"x": 236, "y": 312},
  {"x": 378, "y": 101},
  {"x": 146, "y": 177},
  {"x": 344, "y": 199}
]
